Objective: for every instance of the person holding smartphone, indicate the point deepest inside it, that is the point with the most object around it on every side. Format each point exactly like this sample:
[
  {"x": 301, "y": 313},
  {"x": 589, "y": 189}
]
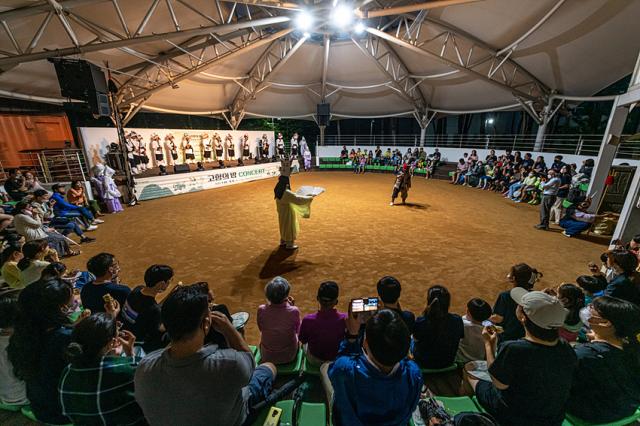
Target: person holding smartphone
[{"x": 358, "y": 384}]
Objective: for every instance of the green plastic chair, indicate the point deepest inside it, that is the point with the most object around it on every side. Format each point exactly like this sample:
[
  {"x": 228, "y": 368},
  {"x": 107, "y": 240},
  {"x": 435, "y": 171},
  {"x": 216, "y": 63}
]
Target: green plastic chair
[
  {"x": 626, "y": 421},
  {"x": 310, "y": 414},
  {"x": 583, "y": 187},
  {"x": 309, "y": 368},
  {"x": 254, "y": 350},
  {"x": 293, "y": 367},
  {"x": 566, "y": 204},
  {"x": 10, "y": 407},
  {"x": 28, "y": 413},
  {"x": 458, "y": 404}
]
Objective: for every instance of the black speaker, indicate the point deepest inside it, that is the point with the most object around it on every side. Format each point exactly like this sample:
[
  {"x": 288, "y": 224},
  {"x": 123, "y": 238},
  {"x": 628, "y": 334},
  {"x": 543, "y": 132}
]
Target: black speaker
[
  {"x": 181, "y": 168},
  {"x": 324, "y": 114},
  {"x": 84, "y": 81}
]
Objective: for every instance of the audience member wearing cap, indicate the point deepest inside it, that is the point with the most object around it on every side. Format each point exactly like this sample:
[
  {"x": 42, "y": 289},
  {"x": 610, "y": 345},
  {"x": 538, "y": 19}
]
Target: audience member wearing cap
[
  {"x": 373, "y": 383},
  {"x": 322, "y": 331},
  {"x": 389, "y": 292},
  {"x": 279, "y": 323},
  {"x": 606, "y": 384},
  {"x": 531, "y": 377}
]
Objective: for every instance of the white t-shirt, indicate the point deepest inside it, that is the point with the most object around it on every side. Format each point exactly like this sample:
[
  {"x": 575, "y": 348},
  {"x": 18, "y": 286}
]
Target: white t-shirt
[
  {"x": 33, "y": 272},
  {"x": 471, "y": 347},
  {"x": 12, "y": 390}
]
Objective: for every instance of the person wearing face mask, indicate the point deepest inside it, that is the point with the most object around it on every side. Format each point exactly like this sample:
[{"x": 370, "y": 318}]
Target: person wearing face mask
[
  {"x": 624, "y": 285},
  {"x": 549, "y": 194},
  {"x": 376, "y": 382},
  {"x": 30, "y": 226},
  {"x": 212, "y": 386},
  {"x": 105, "y": 268},
  {"x": 97, "y": 386},
  {"x": 606, "y": 384},
  {"x": 41, "y": 334},
  {"x": 530, "y": 377}
]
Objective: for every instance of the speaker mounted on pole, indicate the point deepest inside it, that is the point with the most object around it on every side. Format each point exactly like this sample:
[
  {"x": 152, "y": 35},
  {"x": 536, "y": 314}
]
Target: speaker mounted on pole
[
  {"x": 323, "y": 114},
  {"x": 83, "y": 81}
]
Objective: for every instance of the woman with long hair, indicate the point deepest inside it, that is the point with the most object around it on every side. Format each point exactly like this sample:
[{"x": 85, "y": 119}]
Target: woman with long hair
[
  {"x": 606, "y": 383},
  {"x": 572, "y": 298},
  {"x": 97, "y": 386},
  {"x": 504, "y": 310},
  {"x": 31, "y": 227},
  {"x": 290, "y": 205},
  {"x": 36, "y": 349},
  {"x": 437, "y": 333},
  {"x": 624, "y": 285},
  {"x": 36, "y": 255}
]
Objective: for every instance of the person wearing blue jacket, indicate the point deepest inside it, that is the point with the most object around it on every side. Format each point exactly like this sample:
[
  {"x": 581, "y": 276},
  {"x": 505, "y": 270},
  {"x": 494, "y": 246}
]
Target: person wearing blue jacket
[
  {"x": 374, "y": 384},
  {"x": 63, "y": 208}
]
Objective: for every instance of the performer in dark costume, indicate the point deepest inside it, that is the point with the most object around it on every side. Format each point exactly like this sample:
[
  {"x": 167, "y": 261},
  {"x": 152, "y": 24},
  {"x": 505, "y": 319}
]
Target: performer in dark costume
[
  {"x": 173, "y": 148},
  {"x": 402, "y": 184},
  {"x": 207, "y": 148},
  {"x": 264, "y": 153}
]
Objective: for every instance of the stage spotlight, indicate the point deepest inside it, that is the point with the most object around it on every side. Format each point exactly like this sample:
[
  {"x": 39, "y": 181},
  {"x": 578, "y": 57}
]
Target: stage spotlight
[
  {"x": 304, "y": 21},
  {"x": 342, "y": 16},
  {"x": 359, "y": 28},
  {"x": 490, "y": 120}
]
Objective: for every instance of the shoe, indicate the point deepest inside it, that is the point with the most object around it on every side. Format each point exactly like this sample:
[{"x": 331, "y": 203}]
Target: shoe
[
  {"x": 87, "y": 240},
  {"x": 391, "y": 203},
  {"x": 291, "y": 247},
  {"x": 91, "y": 228},
  {"x": 97, "y": 221},
  {"x": 542, "y": 227},
  {"x": 517, "y": 201},
  {"x": 565, "y": 234}
]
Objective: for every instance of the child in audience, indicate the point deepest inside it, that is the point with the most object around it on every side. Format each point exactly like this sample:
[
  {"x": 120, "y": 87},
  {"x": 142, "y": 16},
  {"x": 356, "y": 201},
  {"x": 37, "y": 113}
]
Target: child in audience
[
  {"x": 10, "y": 272},
  {"x": 606, "y": 384},
  {"x": 437, "y": 333},
  {"x": 279, "y": 323},
  {"x": 471, "y": 346},
  {"x": 33, "y": 261},
  {"x": 389, "y": 292},
  {"x": 322, "y": 332},
  {"x": 12, "y": 390},
  {"x": 572, "y": 298},
  {"x": 97, "y": 387},
  {"x": 591, "y": 286},
  {"x": 504, "y": 310},
  {"x": 141, "y": 312}
]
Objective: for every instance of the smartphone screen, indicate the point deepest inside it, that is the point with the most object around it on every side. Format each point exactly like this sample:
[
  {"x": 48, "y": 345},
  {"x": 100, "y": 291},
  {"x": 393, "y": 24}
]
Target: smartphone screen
[{"x": 368, "y": 304}]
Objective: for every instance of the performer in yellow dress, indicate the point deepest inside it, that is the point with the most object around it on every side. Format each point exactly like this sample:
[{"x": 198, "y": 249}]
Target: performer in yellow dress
[{"x": 290, "y": 205}]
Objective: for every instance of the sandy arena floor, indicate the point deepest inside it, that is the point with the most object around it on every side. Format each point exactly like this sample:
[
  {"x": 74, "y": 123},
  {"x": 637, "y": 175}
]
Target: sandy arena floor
[{"x": 463, "y": 238}]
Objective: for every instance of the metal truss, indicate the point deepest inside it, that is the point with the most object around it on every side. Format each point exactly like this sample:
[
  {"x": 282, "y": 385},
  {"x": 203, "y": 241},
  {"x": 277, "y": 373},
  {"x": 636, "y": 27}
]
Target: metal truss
[
  {"x": 394, "y": 68},
  {"x": 467, "y": 55},
  {"x": 268, "y": 64}
]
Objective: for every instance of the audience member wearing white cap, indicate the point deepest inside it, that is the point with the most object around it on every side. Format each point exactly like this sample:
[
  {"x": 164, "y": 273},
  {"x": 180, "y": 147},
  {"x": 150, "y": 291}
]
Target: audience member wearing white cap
[{"x": 530, "y": 377}]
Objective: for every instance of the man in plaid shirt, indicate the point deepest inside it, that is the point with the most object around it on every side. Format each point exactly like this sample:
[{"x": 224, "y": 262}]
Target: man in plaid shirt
[{"x": 97, "y": 387}]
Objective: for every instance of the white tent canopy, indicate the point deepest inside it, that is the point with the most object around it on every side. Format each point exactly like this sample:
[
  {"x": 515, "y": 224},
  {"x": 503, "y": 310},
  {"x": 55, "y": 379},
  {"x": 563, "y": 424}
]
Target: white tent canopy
[{"x": 248, "y": 58}]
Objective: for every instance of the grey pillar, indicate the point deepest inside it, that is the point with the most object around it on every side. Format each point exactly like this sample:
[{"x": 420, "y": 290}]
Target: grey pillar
[
  {"x": 423, "y": 134},
  {"x": 607, "y": 153},
  {"x": 629, "y": 222},
  {"x": 542, "y": 127}
]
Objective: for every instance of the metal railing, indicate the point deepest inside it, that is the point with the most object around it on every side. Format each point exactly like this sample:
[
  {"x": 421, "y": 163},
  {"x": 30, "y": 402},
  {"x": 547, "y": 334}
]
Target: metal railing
[
  {"x": 576, "y": 144},
  {"x": 58, "y": 165}
]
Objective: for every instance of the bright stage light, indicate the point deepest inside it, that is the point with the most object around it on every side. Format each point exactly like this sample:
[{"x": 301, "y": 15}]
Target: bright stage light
[
  {"x": 359, "y": 28},
  {"x": 304, "y": 21},
  {"x": 342, "y": 16},
  {"x": 490, "y": 120}
]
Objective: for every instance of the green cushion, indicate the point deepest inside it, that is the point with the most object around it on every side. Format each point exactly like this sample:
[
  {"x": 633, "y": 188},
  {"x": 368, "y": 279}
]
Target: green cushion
[
  {"x": 26, "y": 411},
  {"x": 452, "y": 367},
  {"x": 254, "y": 350},
  {"x": 457, "y": 404},
  {"x": 293, "y": 367},
  {"x": 627, "y": 420},
  {"x": 310, "y": 369},
  {"x": 566, "y": 204},
  {"x": 10, "y": 407},
  {"x": 584, "y": 187}
]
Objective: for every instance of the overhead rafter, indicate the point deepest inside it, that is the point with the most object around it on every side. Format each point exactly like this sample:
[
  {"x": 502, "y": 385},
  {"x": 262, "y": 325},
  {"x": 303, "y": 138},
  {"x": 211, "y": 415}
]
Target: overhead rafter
[
  {"x": 215, "y": 53},
  {"x": 325, "y": 67},
  {"x": 36, "y": 9},
  {"x": 268, "y": 64},
  {"x": 399, "y": 10},
  {"x": 394, "y": 68}
]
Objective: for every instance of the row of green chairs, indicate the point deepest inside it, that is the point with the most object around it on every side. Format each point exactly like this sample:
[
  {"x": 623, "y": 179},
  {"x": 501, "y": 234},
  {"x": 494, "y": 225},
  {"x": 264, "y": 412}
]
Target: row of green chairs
[{"x": 25, "y": 410}]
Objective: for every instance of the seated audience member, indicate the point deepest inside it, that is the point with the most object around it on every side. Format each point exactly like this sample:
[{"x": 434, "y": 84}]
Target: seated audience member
[
  {"x": 572, "y": 298},
  {"x": 141, "y": 312},
  {"x": 606, "y": 384},
  {"x": 592, "y": 286},
  {"x": 389, "y": 292},
  {"x": 36, "y": 349},
  {"x": 375, "y": 384},
  {"x": 33, "y": 260},
  {"x": 471, "y": 347},
  {"x": 322, "y": 331},
  {"x": 44, "y": 213},
  {"x": 634, "y": 247},
  {"x": 209, "y": 386},
  {"x": 97, "y": 387},
  {"x": 10, "y": 272},
  {"x": 530, "y": 377},
  {"x": 32, "y": 229},
  {"x": 15, "y": 185},
  {"x": 437, "y": 333},
  {"x": 6, "y": 220},
  {"x": 279, "y": 323},
  {"x": 577, "y": 219},
  {"x": 64, "y": 208},
  {"x": 13, "y": 391},
  {"x": 106, "y": 269},
  {"x": 624, "y": 265},
  {"x": 461, "y": 169},
  {"x": 504, "y": 310}
]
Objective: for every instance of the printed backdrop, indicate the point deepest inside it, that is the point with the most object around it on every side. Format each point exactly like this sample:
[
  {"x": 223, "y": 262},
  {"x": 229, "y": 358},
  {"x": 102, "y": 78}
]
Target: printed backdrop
[{"x": 96, "y": 141}]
